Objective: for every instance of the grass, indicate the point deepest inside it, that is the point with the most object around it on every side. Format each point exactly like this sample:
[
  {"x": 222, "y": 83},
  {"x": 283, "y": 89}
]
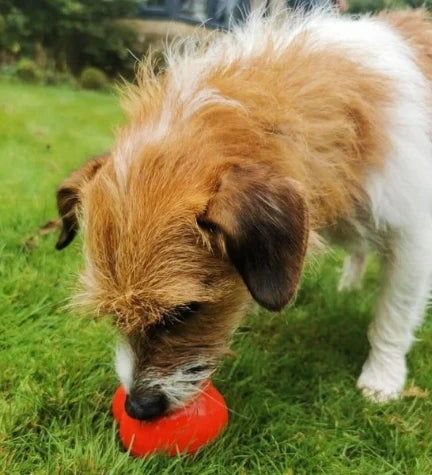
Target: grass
[{"x": 291, "y": 387}]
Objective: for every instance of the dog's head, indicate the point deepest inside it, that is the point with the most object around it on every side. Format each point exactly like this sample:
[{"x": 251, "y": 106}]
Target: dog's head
[{"x": 174, "y": 251}]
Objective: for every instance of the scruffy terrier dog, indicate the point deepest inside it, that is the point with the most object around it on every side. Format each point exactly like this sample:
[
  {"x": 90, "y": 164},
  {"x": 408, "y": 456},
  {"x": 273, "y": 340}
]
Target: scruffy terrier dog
[{"x": 236, "y": 159}]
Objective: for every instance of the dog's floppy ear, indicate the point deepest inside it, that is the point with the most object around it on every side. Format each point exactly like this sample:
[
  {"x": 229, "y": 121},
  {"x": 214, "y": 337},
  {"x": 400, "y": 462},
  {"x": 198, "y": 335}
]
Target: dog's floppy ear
[
  {"x": 68, "y": 198},
  {"x": 263, "y": 220}
]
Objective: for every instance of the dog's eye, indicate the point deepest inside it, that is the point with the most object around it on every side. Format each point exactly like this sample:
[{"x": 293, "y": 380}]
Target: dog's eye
[
  {"x": 182, "y": 312},
  {"x": 206, "y": 225},
  {"x": 176, "y": 316},
  {"x": 197, "y": 369}
]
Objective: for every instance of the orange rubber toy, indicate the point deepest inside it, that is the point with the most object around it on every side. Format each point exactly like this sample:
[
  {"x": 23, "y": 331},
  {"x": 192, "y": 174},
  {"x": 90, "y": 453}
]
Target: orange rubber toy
[{"x": 182, "y": 431}]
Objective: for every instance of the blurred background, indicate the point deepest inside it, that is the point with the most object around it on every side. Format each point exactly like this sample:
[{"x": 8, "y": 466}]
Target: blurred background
[{"x": 88, "y": 42}]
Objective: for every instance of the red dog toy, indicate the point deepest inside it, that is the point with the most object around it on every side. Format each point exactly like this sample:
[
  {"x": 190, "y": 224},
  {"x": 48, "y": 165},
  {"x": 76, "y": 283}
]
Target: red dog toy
[{"x": 182, "y": 431}]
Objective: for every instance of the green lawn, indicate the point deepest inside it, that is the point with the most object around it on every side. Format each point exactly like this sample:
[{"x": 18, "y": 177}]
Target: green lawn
[{"x": 291, "y": 387}]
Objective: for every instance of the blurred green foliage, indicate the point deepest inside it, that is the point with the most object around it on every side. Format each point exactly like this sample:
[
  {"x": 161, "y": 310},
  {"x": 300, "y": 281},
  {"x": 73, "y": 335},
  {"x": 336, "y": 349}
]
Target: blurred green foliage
[
  {"x": 417, "y": 3},
  {"x": 27, "y": 70},
  {"x": 365, "y": 6},
  {"x": 68, "y": 34},
  {"x": 362, "y": 6},
  {"x": 93, "y": 78}
]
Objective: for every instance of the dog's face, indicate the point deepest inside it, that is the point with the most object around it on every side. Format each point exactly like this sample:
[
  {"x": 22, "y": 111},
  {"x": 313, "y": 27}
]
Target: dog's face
[{"x": 174, "y": 253}]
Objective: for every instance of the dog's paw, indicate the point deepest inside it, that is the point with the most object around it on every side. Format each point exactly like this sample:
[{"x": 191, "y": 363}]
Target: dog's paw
[
  {"x": 382, "y": 381},
  {"x": 352, "y": 273}
]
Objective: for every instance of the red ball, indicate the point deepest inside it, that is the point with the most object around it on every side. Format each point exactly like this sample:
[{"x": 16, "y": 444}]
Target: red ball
[
  {"x": 182, "y": 431},
  {"x": 118, "y": 403}
]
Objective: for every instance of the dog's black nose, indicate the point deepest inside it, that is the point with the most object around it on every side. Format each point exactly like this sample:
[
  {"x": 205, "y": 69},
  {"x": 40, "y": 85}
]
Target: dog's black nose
[{"x": 146, "y": 407}]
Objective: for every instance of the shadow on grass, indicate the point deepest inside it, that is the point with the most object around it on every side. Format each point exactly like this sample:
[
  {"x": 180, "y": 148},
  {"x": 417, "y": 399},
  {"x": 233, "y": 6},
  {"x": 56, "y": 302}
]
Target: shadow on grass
[{"x": 319, "y": 341}]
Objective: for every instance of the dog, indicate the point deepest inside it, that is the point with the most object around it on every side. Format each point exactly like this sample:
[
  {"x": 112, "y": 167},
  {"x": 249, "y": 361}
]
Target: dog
[{"x": 235, "y": 163}]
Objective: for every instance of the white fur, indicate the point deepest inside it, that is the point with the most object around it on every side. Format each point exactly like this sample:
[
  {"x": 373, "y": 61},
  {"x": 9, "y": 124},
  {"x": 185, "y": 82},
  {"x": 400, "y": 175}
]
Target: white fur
[
  {"x": 400, "y": 310},
  {"x": 124, "y": 363},
  {"x": 401, "y": 200},
  {"x": 204, "y": 98},
  {"x": 179, "y": 386},
  {"x": 190, "y": 99}
]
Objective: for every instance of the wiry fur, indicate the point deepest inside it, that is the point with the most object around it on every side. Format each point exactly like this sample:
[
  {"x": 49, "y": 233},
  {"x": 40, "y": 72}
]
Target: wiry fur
[
  {"x": 290, "y": 126},
  {"x": 179, "y": 386}
]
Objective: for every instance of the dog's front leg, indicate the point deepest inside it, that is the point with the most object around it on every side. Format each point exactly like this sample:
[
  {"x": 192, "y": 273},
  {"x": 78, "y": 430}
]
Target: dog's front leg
[{"x": 400, "y": 310}]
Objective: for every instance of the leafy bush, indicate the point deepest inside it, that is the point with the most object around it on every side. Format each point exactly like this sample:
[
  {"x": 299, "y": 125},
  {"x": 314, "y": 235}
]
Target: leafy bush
[
  {"x": 27, "y": 70},
  {"x": 54, "y": 78},
  {"x": 363, "y": 6},
  {"x": 72, "y": 33},
  {"x": 2, "y": 29},
  {"x": 419, "y": 3},
  {"x": 93, "y": 78},
  {"x": 14, "y": 36}
]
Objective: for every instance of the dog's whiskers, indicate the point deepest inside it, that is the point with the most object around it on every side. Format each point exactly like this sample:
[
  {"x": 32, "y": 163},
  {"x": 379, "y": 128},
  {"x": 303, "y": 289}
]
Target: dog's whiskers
[{"x": 200, "y": 390}]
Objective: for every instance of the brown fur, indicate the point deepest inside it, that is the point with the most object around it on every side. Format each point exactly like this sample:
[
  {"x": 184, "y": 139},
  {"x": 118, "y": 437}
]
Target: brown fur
[{"x": 320, "y": 122}]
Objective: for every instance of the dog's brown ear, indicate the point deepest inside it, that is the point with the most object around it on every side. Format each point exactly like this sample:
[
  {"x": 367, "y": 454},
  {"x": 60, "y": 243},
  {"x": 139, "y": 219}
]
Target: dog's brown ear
[
  {"x": 68, "y": 198},
  {"x": 264, "y": 223}
]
